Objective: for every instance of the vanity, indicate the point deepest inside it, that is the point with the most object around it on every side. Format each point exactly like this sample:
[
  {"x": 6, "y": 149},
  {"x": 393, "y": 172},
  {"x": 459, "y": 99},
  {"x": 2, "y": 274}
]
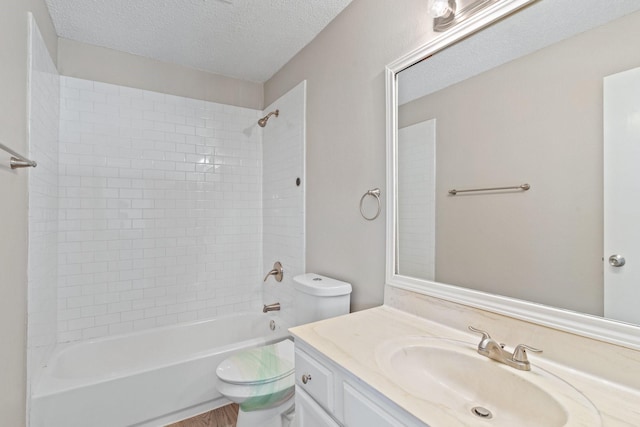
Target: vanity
[
  {"x": 511, "y": 145},
  {"x": 346, "y": 377},
  {"x": 328, "y": 395}
]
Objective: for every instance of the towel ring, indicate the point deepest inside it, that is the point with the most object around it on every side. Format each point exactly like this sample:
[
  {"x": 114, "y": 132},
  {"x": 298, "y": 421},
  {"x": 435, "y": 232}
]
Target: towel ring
[{"x": 375, "y": 193}]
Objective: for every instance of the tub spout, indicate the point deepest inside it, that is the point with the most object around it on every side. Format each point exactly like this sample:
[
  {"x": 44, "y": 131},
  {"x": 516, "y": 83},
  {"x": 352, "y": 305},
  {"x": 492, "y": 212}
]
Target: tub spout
[
  {"x": 277, "y": 271},
  {"x": 271, "y": 307}
]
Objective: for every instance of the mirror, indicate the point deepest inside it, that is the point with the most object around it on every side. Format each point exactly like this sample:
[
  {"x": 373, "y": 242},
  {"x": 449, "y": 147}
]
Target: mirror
[{"x": 520, "y": 102}]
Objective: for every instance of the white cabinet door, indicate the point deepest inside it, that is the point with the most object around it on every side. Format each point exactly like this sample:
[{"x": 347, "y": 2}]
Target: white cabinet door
[
  {"x": 622, "y": 195},
  {"x": 359, "y": 411},
  {"x": 310, "y": 414}
]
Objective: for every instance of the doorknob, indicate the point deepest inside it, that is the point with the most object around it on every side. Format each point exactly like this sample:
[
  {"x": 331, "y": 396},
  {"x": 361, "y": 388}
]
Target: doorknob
[{"x": 617, "y": 260}]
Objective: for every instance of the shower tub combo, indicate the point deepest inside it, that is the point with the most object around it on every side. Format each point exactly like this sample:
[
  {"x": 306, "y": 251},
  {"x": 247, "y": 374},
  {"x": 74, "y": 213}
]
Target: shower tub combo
[{"x": 146, "y": 378}]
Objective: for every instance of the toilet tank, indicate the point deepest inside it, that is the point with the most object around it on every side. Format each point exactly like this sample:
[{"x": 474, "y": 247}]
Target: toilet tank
[{"x": 318, "y": 297}]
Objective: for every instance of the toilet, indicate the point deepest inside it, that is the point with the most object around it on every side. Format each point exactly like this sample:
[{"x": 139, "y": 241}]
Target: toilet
[{"x": 261, "y": 380}]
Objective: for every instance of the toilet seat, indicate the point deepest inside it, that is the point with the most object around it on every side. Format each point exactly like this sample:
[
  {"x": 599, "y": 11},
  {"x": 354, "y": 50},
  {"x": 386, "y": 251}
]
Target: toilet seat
[{"x": 258, "y": 365}]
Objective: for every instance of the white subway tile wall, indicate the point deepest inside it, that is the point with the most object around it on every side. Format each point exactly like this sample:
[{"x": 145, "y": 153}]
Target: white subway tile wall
[
  {"x": 160, "y": 210},
  {"x": 44, "y": 114},
  {"x": 417, "y": 200},
  {"x": 283, "y": 199}
]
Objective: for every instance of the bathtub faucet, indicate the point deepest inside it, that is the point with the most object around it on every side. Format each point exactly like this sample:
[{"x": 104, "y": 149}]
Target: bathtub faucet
[
  {"x": 277, "y": 271},
  {"x": 271, "y": 307}
]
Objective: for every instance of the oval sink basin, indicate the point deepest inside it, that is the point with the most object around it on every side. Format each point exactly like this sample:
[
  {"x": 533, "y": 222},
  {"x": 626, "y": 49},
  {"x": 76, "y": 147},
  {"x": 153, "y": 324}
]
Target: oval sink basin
[{"x": 480, "y": 391}]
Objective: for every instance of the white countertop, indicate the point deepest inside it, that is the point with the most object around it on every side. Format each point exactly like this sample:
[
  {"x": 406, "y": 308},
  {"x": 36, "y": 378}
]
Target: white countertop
[{"x": 351, "y": 341}]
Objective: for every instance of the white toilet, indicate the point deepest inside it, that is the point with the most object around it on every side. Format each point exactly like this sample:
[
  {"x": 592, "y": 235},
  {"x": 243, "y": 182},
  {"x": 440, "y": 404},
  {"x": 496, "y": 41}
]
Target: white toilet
[{"x": 261, "y": 380}]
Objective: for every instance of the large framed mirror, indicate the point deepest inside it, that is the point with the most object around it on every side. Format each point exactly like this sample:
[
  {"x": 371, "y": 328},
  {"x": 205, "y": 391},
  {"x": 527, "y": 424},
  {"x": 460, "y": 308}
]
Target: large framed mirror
[{"x": 541, "y": 97}]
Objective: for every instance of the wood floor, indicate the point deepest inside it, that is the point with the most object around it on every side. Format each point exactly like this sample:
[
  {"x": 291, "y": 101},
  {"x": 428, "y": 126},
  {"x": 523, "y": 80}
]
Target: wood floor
[{"x": 221, "y": 417}]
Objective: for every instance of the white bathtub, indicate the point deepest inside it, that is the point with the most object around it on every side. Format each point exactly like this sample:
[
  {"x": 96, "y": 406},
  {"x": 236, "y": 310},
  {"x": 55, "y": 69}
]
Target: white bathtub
[{"x": 147, "y": 378}]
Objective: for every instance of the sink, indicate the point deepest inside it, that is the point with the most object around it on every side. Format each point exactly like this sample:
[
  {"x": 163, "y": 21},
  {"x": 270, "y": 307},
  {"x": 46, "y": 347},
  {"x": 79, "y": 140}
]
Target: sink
[{"x": 479, "y": 391}]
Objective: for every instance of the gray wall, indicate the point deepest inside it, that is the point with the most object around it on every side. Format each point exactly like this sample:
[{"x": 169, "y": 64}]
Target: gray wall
[
  {"x": 537, "y": 120},
  {"x": 13, "y": 208},
  {"x": 100, "y": 64},
  {"x": 344, "y": 67}
]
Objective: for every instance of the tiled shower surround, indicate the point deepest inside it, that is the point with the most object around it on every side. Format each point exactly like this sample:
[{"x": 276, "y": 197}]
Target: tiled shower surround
[
  {"x": 283, "y": 197},
  {"x": 44, "y": 116},
  {"x": 160, "y": 210}
]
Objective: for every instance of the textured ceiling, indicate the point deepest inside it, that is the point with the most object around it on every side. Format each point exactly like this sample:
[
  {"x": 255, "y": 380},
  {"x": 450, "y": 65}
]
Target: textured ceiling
[{"x": 247, "y": 39}]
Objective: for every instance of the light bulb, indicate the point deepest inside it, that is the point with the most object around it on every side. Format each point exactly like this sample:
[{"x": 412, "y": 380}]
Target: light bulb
[{"x": 440, "y": 8}]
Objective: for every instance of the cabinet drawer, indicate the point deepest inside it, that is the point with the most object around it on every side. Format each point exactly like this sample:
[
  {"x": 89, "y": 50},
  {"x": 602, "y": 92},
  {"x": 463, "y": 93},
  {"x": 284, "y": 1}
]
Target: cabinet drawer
[{"x": 315, "y": 379}]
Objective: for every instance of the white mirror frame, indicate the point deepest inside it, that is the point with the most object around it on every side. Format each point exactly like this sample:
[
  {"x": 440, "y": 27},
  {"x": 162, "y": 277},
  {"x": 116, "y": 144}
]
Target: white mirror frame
[{"x": 595, "y": 327}]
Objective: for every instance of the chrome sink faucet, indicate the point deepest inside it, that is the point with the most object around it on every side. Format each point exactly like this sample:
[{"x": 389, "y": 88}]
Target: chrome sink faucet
[{"x": 493, "y": 350}]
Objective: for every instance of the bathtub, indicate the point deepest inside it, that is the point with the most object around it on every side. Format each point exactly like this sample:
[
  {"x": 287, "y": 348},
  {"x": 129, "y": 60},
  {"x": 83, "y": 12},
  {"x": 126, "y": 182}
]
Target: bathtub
[{"x": 147, "y": 378}]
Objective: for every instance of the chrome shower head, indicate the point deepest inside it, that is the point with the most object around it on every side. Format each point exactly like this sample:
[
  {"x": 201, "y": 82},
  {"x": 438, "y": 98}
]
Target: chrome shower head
[{"x": 263, "y": 121}]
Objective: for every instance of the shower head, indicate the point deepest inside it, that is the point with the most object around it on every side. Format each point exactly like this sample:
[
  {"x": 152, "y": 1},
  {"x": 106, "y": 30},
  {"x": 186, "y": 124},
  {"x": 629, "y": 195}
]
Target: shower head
[{"x": 263, "y": 121}]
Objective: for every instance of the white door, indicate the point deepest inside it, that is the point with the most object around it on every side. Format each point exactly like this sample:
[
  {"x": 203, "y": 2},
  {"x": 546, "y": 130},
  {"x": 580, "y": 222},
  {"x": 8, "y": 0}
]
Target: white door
[{"x": 622, "y": 196}]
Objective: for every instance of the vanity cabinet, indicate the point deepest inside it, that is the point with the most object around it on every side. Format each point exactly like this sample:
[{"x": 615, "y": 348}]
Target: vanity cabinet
[
  {"x": 360, "y": 411},
  {"x": 328, "y": 396},
  {"x": 310, "y": 414}
]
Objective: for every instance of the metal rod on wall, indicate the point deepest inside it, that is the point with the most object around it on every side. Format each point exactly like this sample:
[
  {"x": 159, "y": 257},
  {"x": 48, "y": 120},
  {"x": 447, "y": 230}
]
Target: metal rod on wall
[
  {"x": 18, "y": 161},
  {"x": 523, "y": 187}
]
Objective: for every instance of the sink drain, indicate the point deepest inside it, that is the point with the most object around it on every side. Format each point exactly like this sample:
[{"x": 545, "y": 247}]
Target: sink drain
[{"x": 481, "y": 412}]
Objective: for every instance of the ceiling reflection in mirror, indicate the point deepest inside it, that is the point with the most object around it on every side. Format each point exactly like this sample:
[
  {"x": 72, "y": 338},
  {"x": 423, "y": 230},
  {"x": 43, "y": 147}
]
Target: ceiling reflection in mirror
[{"x": 519, "y": 102}]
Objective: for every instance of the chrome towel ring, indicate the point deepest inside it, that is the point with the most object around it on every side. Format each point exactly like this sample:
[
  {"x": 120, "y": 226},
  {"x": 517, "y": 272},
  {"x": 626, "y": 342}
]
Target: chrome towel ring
[{"x": 374, "y": 193}]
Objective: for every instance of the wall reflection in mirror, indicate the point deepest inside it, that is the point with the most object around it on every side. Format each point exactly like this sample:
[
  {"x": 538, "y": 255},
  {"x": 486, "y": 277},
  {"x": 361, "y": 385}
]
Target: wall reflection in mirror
[{"x": 540, "y": 111}]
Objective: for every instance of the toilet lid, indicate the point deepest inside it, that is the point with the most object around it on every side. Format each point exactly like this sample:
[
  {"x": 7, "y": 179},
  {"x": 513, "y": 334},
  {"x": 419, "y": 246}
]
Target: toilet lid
[{"x": 258, "y": 365}]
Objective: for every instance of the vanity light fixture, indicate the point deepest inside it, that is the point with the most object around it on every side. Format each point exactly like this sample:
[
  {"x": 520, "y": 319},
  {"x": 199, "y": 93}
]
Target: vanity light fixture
[
  {"x": 443, "y": 8},
  {"x": 448, "y": 13}
]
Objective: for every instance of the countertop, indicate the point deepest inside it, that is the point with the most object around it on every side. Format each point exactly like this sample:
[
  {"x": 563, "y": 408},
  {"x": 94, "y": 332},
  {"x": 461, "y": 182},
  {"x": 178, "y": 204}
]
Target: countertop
[{"x": 351, "y": 341}]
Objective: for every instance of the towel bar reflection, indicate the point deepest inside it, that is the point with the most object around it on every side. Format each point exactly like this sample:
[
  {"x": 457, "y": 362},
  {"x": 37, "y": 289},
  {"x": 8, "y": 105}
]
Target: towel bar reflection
[
  {"x": 523, "y": 187},
  {"x": 18, "y": 161}
]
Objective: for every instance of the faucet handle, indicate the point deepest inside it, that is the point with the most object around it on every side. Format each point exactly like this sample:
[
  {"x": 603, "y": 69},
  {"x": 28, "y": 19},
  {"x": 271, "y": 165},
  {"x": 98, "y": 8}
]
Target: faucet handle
[
  {"x": 485, "y": 334},
  {"x": 520, "y": 353},
  {"x": 277, "y": 271}
]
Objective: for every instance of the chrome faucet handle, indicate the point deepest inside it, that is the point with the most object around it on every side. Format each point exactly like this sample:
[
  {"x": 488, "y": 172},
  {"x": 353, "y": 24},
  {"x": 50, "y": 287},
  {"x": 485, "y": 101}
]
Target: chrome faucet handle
[
  {"x": 485, "y": 334},
  {"x": 520, "y": 353},
  {"x": 271, "y": 273},
  {"x": 277, "y": 271}
]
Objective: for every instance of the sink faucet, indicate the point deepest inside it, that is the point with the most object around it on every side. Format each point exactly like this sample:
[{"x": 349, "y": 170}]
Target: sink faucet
[
  {"x": 493, "y": 350},
  {"x": 271, "y": 307}
]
